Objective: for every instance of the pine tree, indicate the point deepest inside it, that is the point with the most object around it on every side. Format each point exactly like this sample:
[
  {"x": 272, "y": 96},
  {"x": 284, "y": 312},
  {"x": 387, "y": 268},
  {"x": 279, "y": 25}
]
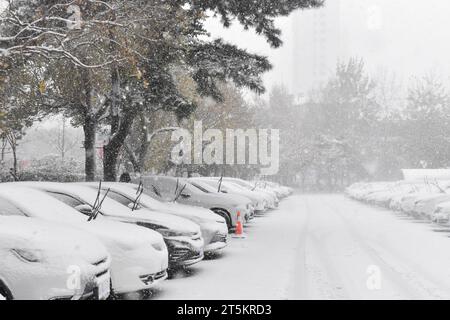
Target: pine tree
[{"x": 139, "y": 43}]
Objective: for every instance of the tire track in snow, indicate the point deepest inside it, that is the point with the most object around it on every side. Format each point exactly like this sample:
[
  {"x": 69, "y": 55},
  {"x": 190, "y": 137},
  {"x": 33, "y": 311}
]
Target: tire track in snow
[
  {"x": 298, "y": 284},
  {"x": 314, "y": 276},
  {"x": 413, "y": 280}
]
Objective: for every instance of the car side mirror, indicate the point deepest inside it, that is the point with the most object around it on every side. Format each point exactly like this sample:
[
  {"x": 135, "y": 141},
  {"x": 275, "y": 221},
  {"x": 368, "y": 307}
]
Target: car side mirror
[{"x": 84, "y": 209}]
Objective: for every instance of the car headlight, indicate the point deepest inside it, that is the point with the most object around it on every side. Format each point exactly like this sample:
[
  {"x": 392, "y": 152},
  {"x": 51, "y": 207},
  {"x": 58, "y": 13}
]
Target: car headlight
[
  {"x": 159, "y": 246},
  {"x": 27, "y": 255}
]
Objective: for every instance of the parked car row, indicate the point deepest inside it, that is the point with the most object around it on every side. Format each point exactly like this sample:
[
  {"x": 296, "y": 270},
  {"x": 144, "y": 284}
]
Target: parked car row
[
  {"x": 100, "y": 240},
  {"x": 422, "y": 199}
]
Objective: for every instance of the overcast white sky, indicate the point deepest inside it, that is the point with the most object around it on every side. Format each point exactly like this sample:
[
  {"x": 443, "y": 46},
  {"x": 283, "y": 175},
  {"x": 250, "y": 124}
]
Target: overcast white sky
[{"x": 410, "y": 37}]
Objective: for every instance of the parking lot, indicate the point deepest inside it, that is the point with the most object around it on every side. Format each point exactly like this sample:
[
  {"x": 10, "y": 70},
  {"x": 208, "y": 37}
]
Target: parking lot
[
  {"x": 260, "y": 266},
  {"x": 324, "y": 247}
]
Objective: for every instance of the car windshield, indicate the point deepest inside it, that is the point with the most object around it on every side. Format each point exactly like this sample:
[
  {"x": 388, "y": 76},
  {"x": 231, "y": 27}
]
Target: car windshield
[
  {"x": 8, "y": 209},
  {"x": 129, "y": 192},
  {"x": 109, "y": 206},
  {"x": 203, "y": 187}
]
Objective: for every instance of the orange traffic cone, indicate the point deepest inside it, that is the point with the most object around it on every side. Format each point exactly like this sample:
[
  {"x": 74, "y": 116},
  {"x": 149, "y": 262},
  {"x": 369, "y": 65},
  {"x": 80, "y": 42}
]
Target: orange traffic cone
[{"x": 239, "y": 232}]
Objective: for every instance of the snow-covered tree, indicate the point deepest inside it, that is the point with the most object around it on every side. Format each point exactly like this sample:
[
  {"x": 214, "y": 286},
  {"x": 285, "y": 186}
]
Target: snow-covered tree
[{"x": 137, "y": 43}]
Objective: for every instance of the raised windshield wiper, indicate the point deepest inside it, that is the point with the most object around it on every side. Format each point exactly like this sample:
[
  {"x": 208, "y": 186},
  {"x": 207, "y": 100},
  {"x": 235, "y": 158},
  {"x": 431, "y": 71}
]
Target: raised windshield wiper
[
  {"x": 156, "y": 191},
  {"x": 97, "y": 209},
  {"x": 99, "y": 190},
  {"x": 176, "y": 187},
  {"x": 139, "y": 192},
  {"x": 98, "y": 203},
  {"x": 220, "y": 184},
  {"x": 179, "y": 194}
]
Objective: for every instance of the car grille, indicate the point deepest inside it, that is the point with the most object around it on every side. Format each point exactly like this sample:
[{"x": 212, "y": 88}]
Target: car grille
[
  {"x": 100, "y": 262},
  {"x": 182, "y": 254},
  {"x": 150, "y": 278},
  {"x": 102, "y": 267},
  {"x": 219, "y": 238}
]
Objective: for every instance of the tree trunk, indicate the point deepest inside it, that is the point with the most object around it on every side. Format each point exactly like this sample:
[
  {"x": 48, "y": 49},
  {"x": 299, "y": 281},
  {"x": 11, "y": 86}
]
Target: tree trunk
[
  {"x": 89, "y": 128},
  {"x": 145, "y": 143},
  {"x": 132, "y": 157},
  {"x": 4, "y": 144},
  {"x": 12, "y": 141},
  {"x": 113, "y": 148},
  {"x": 14, "y": 153}
]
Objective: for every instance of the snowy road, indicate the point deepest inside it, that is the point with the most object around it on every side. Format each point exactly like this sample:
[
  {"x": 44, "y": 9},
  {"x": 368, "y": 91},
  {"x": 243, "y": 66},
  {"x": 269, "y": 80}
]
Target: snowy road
[{"x": 324, "y": 247}]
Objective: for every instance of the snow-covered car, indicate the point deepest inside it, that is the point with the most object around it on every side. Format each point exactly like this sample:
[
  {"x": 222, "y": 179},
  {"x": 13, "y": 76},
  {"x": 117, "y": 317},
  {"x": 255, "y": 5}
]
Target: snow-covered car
[
  {"x": 280, "y": 191},
  {"x": 364, "y": 191},
  {"x": 213, "y": 227},
  {"x": 45, "y": 261},
  {"x": 380, "y": 198},
  {"x": 226, "y": 206},
  {"x": 139, "y": 256},
  {"x": 245, "y": 207},
  {"x": 260, "y": 202},
  {"x": 396, "y": 201},
  {"x": 182, "y": 237},
  {"x": 409, "y": 201},
  {"x": 441, "y": 214},
  {"x": 426, "y": 205},
  {"x": 271, "y": 195}
]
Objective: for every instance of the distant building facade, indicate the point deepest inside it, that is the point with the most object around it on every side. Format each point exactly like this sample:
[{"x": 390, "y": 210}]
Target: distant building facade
[{"x": 317, "y": 46}]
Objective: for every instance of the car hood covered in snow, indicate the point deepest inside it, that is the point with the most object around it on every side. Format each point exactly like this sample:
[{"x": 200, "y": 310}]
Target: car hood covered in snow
[{"x": 49, "y": 241}]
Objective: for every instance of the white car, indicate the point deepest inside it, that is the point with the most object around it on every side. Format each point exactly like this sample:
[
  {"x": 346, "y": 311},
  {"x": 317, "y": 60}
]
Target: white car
[
  {"x": 283, "y": 191},
  {"x": 42, "y": 261},
  {"x": 427, "y": 205},
  {"x": 182, "y": 237},
  {"x": 226, "y": 206},
  {"x": 279, "y": 192},
  {"x": 139, "y": 256},
  {"x": 261, "y": 202},
  {"x": 270, "y": 195},
  {"x": 441, "y": 214},
  {"x": 213, "y": 227}
]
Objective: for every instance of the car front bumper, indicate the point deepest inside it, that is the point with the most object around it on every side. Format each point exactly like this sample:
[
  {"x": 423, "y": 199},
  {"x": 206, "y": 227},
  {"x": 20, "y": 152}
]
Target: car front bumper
[
  {"x": 131, "y": 271},
  {"x": 184, "y": 251},
  {"x": 215, "y": 236}
]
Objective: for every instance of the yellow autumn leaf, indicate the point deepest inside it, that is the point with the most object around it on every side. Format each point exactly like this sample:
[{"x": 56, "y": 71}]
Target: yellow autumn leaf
[
  {"x": 42, "y": 86},
  {"x": 138, "y": 74}
]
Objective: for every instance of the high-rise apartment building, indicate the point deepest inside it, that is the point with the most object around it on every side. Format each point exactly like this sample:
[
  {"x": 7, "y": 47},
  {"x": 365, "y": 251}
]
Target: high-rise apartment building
[{"x": 317, "y": 46}]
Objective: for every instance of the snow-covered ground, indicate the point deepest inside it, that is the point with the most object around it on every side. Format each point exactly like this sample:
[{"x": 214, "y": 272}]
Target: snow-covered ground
[{"x": 324, "y": 247}]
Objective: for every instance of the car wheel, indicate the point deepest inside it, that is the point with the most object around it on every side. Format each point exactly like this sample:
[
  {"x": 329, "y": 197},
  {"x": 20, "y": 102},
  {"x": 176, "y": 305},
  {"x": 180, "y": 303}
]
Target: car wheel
[
  {"x": 224, "y": 214},
  {"x": 5, "y": 292}
]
